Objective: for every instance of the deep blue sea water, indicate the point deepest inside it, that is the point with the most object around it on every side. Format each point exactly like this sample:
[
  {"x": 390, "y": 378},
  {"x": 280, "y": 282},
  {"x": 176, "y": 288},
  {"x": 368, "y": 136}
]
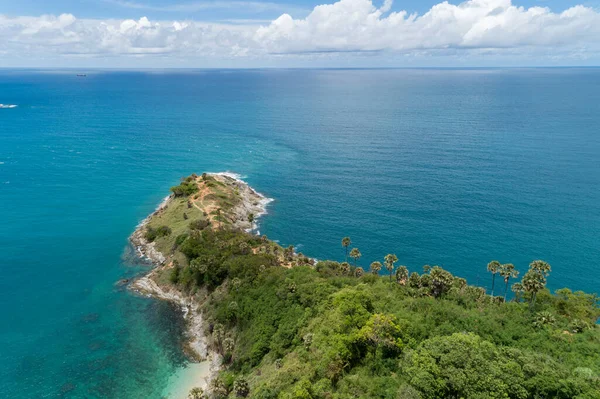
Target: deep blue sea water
[{"x": 448, "y": 167}]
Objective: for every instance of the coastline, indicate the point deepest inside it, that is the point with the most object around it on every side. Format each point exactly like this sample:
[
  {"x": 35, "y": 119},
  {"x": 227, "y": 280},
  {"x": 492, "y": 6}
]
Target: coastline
[
  {"x": 259, "y": 209},
  {"x": 204, "y": 362},
  {"x": 143, "y": 248}
]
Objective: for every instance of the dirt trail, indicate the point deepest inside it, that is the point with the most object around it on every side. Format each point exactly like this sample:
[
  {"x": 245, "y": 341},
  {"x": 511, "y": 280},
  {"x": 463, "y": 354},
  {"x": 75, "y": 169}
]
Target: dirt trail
[{"x": 198, "y": 202}]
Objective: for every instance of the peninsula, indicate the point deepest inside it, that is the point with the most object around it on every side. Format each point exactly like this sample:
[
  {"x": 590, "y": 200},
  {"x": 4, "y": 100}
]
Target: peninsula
[{"x": 273, "y": 323}]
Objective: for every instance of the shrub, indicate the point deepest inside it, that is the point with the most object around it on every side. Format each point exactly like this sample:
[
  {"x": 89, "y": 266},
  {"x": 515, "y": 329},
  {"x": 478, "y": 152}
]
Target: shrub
[
  {"x": 219, "y": 388},
  {"x": 185, "y": 189},
  {"x": 318, "y": 332},
  {"x": 196, "y": 393},
  {"x": 174, "y": 276},
  {"x": 152, "y": 234},
  {"x": 199, "y": 224},
  {"x": 180, "y": 239},
  {"x": 241, "y": 387}
]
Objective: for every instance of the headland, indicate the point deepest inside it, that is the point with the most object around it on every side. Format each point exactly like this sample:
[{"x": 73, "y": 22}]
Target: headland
[{"x": 266, "y": 322}]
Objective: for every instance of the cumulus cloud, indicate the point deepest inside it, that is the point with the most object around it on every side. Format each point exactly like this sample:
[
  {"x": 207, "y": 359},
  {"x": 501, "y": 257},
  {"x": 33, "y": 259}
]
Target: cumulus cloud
[
  {"x": 357, "y": 25},
  {"x": 66, "y": 35},
  {"x": 341, "y": 27}
]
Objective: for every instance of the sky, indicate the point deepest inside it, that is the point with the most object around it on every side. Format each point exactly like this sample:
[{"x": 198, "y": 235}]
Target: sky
[{"x": 298, "y": 33}]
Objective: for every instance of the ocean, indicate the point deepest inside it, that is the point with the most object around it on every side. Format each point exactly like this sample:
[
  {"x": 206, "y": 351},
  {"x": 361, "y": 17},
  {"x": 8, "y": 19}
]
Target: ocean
[{"x": 449, "y": 167}]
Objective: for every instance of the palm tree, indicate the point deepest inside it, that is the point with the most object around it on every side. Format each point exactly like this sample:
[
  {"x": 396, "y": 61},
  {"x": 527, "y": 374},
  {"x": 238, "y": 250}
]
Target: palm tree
[
  {"x": 441, "y": 281},
  {"x": 241, "y": 388},
  {"x": 540, "y": 267},
  {"x": 414, "y": 280},
  {"x": 389, "y": 261},
  {"x": 355, "y": 254},
  {"x": 218, "y": 336},
  {"x": 533, "y": 282},
  {"x": 493, "y": 267},
  {"x": 278, "y": 363},
  {"x": 543, "y": 318},
  {"x": 375, "y": 267},
  {"x": 535, "y": 279},
  {"x": 196, "y": 393},
  {"x": 244, "y": 248},
  {"x": 228, "y": 345},
  {"x": 508, "y": 271},
  {"x": 518, "y": 289},
  {"x": 358, "y": 272},
  {"x": 346, "y": 243},
  {"x": 402, "y": 275},
  {"x": 218, "y": 388},
  {"x": 578, "y": 326},
  {"x": 345, "y": 268}
]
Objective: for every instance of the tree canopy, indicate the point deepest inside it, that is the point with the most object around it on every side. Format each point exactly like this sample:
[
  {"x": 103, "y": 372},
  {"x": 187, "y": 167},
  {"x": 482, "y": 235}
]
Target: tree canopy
[
  {"x": 332, "y": 331},
  {"x": 290, "y": 327}
]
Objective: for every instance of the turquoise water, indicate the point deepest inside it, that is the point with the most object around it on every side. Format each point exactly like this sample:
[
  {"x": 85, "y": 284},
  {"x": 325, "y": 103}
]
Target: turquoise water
[{"x": 448, "y": 167}]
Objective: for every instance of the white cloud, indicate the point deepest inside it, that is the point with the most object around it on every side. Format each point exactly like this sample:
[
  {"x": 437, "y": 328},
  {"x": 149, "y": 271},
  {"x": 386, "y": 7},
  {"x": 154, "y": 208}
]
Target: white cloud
[
  {"x": 481, "y": 27},
  {"x": 357, "y": 25},
  {"x": 67, "y": 36}
]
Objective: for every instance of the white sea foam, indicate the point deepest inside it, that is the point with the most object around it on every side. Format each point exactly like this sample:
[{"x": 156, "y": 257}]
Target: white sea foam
[
  {"x": 163, "y": 203},
  {"x": 236, "y": 176},
  {"x": 160, "y": 206},
  {"x": 8, "y": 106},
  {"x": 263, "y": 202},
  {"x": 232, "y": 175}
]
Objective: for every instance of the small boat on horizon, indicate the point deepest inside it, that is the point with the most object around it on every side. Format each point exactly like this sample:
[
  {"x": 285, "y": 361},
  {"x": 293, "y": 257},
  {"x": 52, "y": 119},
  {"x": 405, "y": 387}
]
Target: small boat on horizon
[{"x": 81, "y": 75}]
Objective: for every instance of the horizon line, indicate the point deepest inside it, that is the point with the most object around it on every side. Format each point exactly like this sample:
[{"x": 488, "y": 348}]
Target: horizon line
[{"x": 57, "y": 68}]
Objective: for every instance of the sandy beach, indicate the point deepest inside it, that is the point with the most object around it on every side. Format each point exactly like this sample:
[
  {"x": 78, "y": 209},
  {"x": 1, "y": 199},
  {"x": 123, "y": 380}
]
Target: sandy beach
[{"x": 193, "y": 375}]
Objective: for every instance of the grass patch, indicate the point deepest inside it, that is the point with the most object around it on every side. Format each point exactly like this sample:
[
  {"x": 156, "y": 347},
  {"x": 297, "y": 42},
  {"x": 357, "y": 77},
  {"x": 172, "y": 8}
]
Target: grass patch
[{"x": 173, "y": 216}]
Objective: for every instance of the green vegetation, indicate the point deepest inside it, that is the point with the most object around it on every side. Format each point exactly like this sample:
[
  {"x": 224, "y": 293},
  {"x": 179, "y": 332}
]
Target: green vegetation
[
  {"x": 346, "y": 243},
  {"x": 319, "y": 331},
  {"x": 199, "y": 224},
  {"x": 507, "y": 271},
  {"x": 196, "y": 393},
  {"x": 186, "y": 212},
  {"x": 355, "y": 254},
  {"x": 375, "y": 267},
  {"x": 494, "y": 267},
  {"x": 187, "y": 187},
  {"x": 288, "y": 327},
  {"x": 389, "y": 261},
  {"x": 178, "y": 216},
  {"x": 152, "y": 233}
]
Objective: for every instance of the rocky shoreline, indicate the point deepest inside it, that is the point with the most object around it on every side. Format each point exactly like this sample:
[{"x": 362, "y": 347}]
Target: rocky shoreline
[
  {"x": 143, "y": 248},
  {"x": 251, "y": 202}
]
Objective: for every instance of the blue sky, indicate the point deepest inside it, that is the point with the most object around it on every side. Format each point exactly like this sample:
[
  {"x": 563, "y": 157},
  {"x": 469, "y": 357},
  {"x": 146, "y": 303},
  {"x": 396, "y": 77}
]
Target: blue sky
[
  {"x": 299, "y": 33},
  {"x": 201, "y": 10}
]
